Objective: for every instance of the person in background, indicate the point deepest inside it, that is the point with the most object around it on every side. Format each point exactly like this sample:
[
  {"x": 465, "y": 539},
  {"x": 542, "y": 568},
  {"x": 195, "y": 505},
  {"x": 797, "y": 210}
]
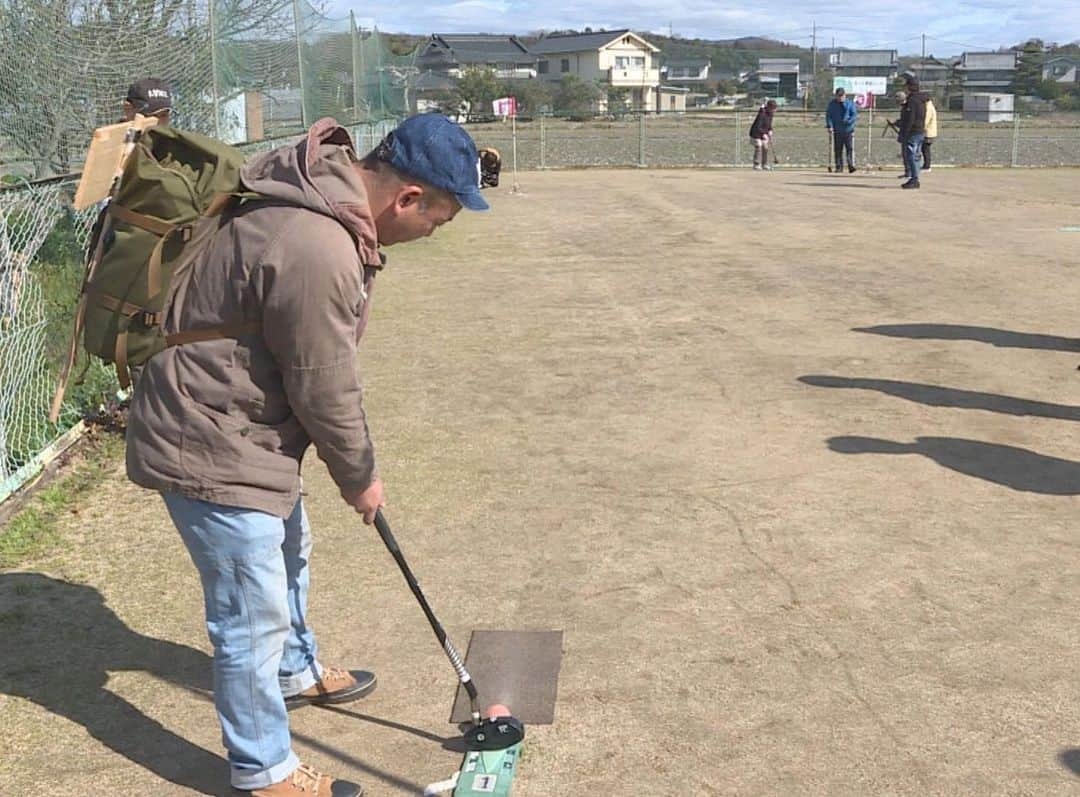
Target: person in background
[
  {"x": 901, "y": 103},
  {"x": 761, "y": 132},
  {"x": 913, "y": 131},
  {"x": 148, "y": 96},
  {"x": 931, "y": 133},
  {"x": 840, "y": 119}
]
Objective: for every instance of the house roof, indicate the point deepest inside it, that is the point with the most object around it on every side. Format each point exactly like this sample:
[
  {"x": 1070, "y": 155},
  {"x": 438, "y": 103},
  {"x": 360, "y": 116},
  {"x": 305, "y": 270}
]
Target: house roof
[
  {"x": 692, "y": 63},
  {"x": 1072, "y": 59},
  {"x": 778, "y": 65},
  {"x": 579, "y": 42},
  {"x": 479, "y": 48},
  {"x": 867, "y": 57},
  {"x": 1005, "y": 60}
]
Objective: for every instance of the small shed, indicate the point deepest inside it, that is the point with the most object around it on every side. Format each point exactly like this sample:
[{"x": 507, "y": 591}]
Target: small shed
[
  {"x": 672, "y": 99},
  {"x": 988, "y": 108}
]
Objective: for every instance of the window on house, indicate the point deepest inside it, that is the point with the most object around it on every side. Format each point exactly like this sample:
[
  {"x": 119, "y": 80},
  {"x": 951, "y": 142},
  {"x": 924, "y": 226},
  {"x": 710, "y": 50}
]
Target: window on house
[
  {"x": 564, "y": 65},
  {"x": 542, "y": 68},
  {"x": 638, "y": 61}
]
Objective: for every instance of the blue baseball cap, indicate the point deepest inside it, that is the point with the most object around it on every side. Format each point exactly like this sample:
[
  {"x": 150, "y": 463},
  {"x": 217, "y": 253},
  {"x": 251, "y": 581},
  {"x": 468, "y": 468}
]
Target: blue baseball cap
[{"x": 432, "y": 148}]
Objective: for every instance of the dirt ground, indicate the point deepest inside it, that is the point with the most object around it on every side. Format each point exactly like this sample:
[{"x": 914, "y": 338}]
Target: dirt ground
[{"x": 789, "y": 457}]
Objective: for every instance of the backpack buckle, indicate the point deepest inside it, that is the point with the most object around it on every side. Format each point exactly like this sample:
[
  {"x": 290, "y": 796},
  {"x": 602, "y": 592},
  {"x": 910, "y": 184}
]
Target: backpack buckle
[{"x": 147, "y": 318}]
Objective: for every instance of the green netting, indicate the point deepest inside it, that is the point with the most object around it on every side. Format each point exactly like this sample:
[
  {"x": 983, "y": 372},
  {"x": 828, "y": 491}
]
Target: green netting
[
  {"x": 251, "y": 72},
  {"x": 241, "y": 70}
]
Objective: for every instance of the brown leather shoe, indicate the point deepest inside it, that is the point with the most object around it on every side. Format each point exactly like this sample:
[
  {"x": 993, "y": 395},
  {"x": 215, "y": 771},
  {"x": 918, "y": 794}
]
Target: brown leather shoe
[
  {"x": 306, "y": 782},
  {"x": 335, "y": 686}
]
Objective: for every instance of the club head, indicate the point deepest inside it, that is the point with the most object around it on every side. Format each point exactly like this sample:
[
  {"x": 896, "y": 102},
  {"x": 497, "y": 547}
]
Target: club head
[{"x": 496, "y": 733}]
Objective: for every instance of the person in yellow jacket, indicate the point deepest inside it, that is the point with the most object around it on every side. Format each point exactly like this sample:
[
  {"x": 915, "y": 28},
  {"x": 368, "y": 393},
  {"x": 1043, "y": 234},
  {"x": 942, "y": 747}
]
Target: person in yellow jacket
[{"x": 931, "y": 134}]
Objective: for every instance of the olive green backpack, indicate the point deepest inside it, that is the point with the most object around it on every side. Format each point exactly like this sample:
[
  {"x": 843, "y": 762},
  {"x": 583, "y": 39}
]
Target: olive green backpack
[{"x": 170, "y": 180}]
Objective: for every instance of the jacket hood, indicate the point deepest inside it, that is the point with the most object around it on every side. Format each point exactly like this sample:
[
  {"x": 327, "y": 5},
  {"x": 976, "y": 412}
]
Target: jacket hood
[{"x": 319, "y": 173}]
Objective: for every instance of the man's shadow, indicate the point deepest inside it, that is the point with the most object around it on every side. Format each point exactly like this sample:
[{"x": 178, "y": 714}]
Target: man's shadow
[
  {"x": 1002, "y": 338},
  {"x": 61, "y": 642},
  {"x": 1015, "y": 468}
]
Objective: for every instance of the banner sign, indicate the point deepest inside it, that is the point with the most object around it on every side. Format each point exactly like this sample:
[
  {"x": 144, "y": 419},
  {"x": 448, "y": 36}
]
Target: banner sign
[{"x": 505, "y": 106}]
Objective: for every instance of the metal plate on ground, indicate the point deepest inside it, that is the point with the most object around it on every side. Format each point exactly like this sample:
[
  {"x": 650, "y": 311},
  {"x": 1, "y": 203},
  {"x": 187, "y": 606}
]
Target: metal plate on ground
[{"x": 519, "y": 669}]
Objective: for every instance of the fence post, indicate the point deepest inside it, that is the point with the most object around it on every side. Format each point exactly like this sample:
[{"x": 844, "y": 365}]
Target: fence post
[
  {"x": 1016, "y": 139},
  {"x": 738, "y": 141},
  {"x": 214, "y": 71},
  {"x": 353, "y": 36},
  {"x": 300, "y": 64},
  {"x": 870, "y": 137},
  {"x": 641, "y": 139},
  {"x": 543, "y": 143}
]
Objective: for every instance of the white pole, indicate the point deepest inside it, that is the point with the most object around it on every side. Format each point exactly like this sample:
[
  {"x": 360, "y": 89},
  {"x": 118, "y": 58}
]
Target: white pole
[
  {"x": 1016, "y": 138},
  {"x": 543, "y": 143},
  {"x": 214, "y": 70},
  {"x": 738, "y": 140},
  {"x": 300, "y": 64},
  {"x": 870, "y": 134},
  {"x": 513, "y": 127}
]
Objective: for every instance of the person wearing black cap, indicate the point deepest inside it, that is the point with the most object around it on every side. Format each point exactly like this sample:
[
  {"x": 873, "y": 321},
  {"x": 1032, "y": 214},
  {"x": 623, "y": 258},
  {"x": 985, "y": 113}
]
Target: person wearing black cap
[
  {"x": 219, "y": 427},
  {"x": 913, "y": 131},
  {"x": 148, "y": 97},
  {"x": 761, "y": 132}
]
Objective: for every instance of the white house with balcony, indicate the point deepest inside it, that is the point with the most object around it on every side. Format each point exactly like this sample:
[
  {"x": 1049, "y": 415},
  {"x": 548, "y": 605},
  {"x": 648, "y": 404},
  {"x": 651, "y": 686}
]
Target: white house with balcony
[{"x": 615, "y": 58}]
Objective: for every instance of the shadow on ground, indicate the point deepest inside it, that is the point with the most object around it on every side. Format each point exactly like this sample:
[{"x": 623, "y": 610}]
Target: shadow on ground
[
  {"x": 1015, "y": 468},
  {"x": 996, "y": 337},
  {"x": 61, "y": 642},
  {"x": 847, "y": 183},
  {"x": 1070, "y": 759},
  {"x": 935, "y": 396}
]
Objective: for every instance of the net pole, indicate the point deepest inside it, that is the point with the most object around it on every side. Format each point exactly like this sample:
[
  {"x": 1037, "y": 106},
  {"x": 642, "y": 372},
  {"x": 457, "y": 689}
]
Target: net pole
[
  {"x": 214, "y": 94},
  {"x": 300, "y": 64},
  {"x": 353, "y": 40},
  {"x": 738, "y": 140},
  {"x": 543, "y": 142},
  {"x": 378, "y": 53},
  {"x": 513, "y": 127},
  {"x": 870, "y": 134},
  {"x": 641, "y": 139}
]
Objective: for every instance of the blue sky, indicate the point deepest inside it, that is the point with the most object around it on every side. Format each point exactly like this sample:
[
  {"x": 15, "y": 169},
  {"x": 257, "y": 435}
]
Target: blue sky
[{"x": 951, "y": 27}]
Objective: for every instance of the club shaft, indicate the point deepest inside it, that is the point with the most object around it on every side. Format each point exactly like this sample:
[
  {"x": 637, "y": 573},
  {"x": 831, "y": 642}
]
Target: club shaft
[{"x": 451, "y": 652}]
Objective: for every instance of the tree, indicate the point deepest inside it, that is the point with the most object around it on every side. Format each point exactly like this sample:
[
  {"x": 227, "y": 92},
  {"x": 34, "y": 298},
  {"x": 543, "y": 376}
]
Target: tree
[
  {"x": 533, "y": 96},
  {"x": 1029, "y": 70},
  {"x": 1050, "y": 89},
  {"x": 575, "y": 97},
  {"x": 478, "y": 86},
  {"x": 618, "y": 98}
]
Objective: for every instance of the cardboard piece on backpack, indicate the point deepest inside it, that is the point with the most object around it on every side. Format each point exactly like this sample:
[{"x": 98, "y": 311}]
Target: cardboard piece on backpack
[{"x": 105, "y": 159}]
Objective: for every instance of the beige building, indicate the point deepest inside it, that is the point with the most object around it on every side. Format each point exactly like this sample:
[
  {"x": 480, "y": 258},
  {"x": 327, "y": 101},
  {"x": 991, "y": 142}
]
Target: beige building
[{"x": 615, "y": 58}]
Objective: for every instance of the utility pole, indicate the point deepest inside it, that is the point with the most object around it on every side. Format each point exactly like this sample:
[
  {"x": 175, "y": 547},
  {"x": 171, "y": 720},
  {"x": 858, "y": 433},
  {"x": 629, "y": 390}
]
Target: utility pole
[
  {"x": 922, "y": 63},
  {"x": 813, "y": 70}
]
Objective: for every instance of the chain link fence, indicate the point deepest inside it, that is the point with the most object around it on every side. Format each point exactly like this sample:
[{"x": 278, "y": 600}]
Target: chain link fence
[
  {"x": 251, "y": 72},
  {"x": 722, "y": 139}
]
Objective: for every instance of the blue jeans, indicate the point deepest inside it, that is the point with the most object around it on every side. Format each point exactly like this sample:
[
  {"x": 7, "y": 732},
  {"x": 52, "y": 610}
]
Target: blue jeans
[
  {"x": 913, "y": 154},
  {"x": 254, "y": 571}
]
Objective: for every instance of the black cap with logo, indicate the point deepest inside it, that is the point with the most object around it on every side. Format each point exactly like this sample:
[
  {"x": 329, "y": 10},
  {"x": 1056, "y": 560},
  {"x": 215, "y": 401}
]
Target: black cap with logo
[{"x": 149, "y": 96}]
